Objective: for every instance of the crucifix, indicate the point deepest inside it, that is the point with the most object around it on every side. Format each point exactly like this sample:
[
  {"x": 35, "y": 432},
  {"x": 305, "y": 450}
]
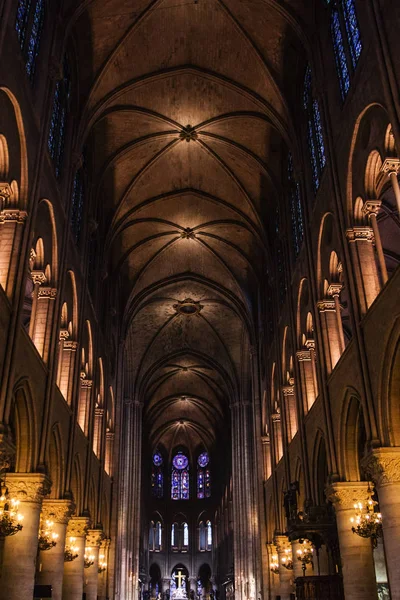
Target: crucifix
[{"x": 180, "y": 576}]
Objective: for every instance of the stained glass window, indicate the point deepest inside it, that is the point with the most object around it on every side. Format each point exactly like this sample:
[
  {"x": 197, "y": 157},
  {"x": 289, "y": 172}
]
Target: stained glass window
[
  {"x": 295, "y": 208},
  {"x": 58, "y": 121},
  {"x": 77, "y": 205},
  {"x": 340, "y": 54},
  {"x": 185, "y": 527},
  {"x": 180, "y": 477},
  {"x": 29, "y": 25},
  {"x": 203, "y": 477},
  {"x": 158, "y": 536},
  {"x": 346, "y": 38},
  {"x": 209, "y": 535},
  {"x": 173, "y": 535},
  {"x": 157, "y": 477},
  {"x": 315, "y": 136}
]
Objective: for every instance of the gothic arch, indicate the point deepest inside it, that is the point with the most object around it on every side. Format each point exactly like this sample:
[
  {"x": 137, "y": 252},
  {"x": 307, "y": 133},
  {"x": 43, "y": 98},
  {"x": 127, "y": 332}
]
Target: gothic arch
[
  {"x": 23, "y": 424},
  {"x": 351, "y": 436},
  {"x": 55, "y": 461},
  {"x": 77, "y": 484},
  {"x": 320, "y": 468}
]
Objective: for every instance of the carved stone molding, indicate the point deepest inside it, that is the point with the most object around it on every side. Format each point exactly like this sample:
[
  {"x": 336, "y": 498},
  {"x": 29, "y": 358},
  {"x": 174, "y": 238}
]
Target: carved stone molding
[
  {"x": 86, "y": 383},
  {"x": 266, "y": 439},
  {"x": 288, "y": 390},
  {"x": 359, "y": 233},
  {"x": 334, "y": 289},
  {"x": 13, "y": 215},
  {"x": 276, "y": 417},
  {"x": 371, "y": 207},
  {"x": 345, "y": 494},
  {"x": 28, "y": 487},
  {"x": 94, "y": 538},
  {"x": 58, "y": 511},
  {"x": 5, "y": 190},
  {"x": 110, "y": 435},
  {"x": 391, "y": 165},
  {"x": 303, "y": 355},
  {"x": 70, "y": 345},
  {"x": 382, "y": 465},
  {"x": 64, "y": 334},
  {"x": 99, "y": 412},
  {"x": 78, "y": 526},
  {"x": 326, "y": 305},
  {"x": 38, "y": 277},
  {"x": 47, "y": 292}
]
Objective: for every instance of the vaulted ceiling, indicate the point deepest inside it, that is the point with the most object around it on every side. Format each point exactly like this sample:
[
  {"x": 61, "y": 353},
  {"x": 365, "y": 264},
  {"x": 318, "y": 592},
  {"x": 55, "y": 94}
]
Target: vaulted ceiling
[{"x": 187, "y": 108}]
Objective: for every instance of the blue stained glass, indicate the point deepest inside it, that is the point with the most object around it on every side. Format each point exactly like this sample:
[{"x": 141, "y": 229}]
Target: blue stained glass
[
  {"x": 180, "y": 461},
  {"x": 340, "y": 54},
  {"x": 200, "y": 484},
  {"x": 34, "y": 39},
  {"x": 77, "y": 212},
  {"x": 352, "y": 30},
  {"x": 56, "y": 139},
  {"x": 185, "y": 485},
  {"x": 307, "y": 87},
  {"x": 319, "y": 135},
  {"x": 203, "y": 459},
  {"x": 180, "y": 483},
  {"x": 21, "y": 22},
  {"x": 157, "y": 459},
  {"x": 313, "y": 155}
]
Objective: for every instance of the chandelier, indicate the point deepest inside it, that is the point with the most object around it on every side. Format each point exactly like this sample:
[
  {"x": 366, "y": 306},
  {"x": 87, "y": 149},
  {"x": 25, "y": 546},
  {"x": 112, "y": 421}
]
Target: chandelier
[
  {"x": 366, "y": 522},
  {"x": 47, "y": 537},
  {"x": 274, "y": 564},
  {"x": 102, "y": 564},
  {"x": 71, "y": 551},
  {"x": 305, "y": 556},
  {"x": 286, "y": 560},
  {"x": 88, "y": 560},
  {"x": 10, "y": 518}
]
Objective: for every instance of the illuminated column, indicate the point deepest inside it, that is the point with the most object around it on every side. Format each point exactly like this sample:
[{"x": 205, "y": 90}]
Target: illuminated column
[
  {"x": 109, "y": 453},
  {"x": 372, "y": 208},
  {"x": 93, "y": 540},
  {"x": 274, "y": 577},
  {"x": 330, "y": 333},
  {"x": 51, "y": 562},
  {"x": 85, "y": 391},
  {"x": 38, "y": 277},
  {"x": 383, "y": 466},
  {"x": 67, "y": 353},
  {"x": 334, "y": 290},
  {"x": 391, "y": 166},
  {"x": 285, "y": 575},
  {"x": 308, "y": 376},
  {"x": 98, "y": 430},
  {"x": 355, "y": 552},
  {"x": 361, "y": 241},
  {"x": 12, "y": 221},
  {"x": 43, "y": 320},
  {"x": 266, "y": 445},
  {"x": 19, "y": 559},
  {"x": 102, "y": 574},
  {"x": 73, "y": 570},
  {"x": 291, "y": 409},
  {"x": 277, "y": 426}
]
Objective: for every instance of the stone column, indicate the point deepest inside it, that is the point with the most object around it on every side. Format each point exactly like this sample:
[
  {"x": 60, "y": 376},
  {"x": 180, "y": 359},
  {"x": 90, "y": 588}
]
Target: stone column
[
  {"x": 73, "y": 571},
  {"x": 307, "y": 367},
  {"x": 330, "y": 333},
  {"x": 289, "y": 396},
  {"x": 356, "y": 553},
  {"x": 102, "y": 577},
  {"x": 20, "y": 550},
  {"x": 285, "y": 575},
  {"x": 383, "y": 466},
  {"x": 85, "y": 392},
  {"x": 372, "y": 208},
  {"x": 266, "y": 445},
  {"x": 12, "y": 221},
  {"x": 93, "y": 540},
  {"x": 51, "y": 562},
  {"x": 43, "y": 318},
  {"x": 391, "y": 166},
  {"x": 361, "y": 240}
]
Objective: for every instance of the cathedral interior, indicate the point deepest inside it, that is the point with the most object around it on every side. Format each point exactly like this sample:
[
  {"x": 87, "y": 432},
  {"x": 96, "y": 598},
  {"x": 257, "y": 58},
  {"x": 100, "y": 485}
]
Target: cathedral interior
[{"x": 199, "y": 299}]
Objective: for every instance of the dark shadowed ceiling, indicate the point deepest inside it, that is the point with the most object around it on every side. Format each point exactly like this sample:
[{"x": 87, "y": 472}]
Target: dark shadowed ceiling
[{"x": 187, "y": 110}]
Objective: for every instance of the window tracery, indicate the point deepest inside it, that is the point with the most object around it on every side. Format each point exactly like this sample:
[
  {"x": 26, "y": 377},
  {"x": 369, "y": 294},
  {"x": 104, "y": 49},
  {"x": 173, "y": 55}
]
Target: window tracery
[
  {"x": 203, "y": 476},
  {"x": 157, "y": 476},
  {"x": 315, "y": 135},
  {"x": 29, "y": 26},
  {"x": 295, "y": 208},
  {"x": 180, "y": 477},
  {"x": 58, "y": 121}
]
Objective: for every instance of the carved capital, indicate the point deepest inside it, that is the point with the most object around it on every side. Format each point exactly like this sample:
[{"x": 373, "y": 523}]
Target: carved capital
[
  {"x": 70, "y": 345},
  {"x": 38, "y": 277},
  {"x": 326, "y": 305},
  {"x": 310, "y": 344},
  {"x": 58, "y": 511},
  {"x": 110, "y": 436},
  {"x": 303, "y": 355},
  {"x": 276, "y": 417},
  {"x": 64, "y": 334},
  {"x": 345, "y": 494},
  {"x": 288, "y": 390},
  {"x": 94, "y": 538},
  {"x": 13, "y": 215},
  {"x": 28, "y": 487},
  {"x": 282, "y": 543},
  {"x": 266, "y": 439},
  {"x": 5, "y": 191},
  {"x": 334, "y": 289},
  {"x": 371, "y": 207},
  {"x": 47, "y": 292},
  {"x": 391, "y": 165},
  {"x": 78, "y": 526},
  {"x": 99, "y": 412},
  {"x": 86, "y": 383},
  {"x": 360, "y": 234},
  {"x": 382, "y": 465}
]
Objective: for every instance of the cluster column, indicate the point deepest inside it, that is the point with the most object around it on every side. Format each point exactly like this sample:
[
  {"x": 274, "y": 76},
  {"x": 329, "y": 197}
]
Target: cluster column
[
  {"x": 285, "y": 575},
  {"x": 51, "y": 562},
  {"x": 355, "y": 552},
  {"x": 20, "y": 550},
  {"x": 383, "y": 466},
  {"x": 93, "y": 541},
  {"x": 73, "y": 570}
]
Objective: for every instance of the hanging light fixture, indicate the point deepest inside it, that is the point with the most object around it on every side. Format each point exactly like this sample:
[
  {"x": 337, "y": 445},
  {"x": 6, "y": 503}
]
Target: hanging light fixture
[
  {"x": 274, "y": 564},
  {"x": 47, "y": 537},
  {"x": 366, "y": 522},
  {"x": 286, "y": 560},
  {"x": 71, "y": 551},
  {"x": 88, "y": 560},
  {"x": 10, "y": 518},
  {"x": 305, "y": 555},
  {"x": 102, "y": 564}
]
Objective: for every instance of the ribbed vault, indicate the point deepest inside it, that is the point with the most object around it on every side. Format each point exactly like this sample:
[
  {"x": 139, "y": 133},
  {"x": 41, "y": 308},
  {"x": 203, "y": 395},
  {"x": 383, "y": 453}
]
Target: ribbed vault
[{"x": 186, "y": 110}]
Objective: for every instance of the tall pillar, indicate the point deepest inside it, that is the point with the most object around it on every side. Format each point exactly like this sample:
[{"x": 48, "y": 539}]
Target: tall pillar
[
  {"x": 85, "y": 393},
  {"x": 383, "y": 466},
  {"x": 372, "y": 208},
  {"x": 307, "y": 366},
  {"x": 43, "y": 319},
  {"x": 285, "y": 575},
  {"x": 391, "y": 166},
  {"x": 330, "y": 333},
  {"x": 361, "y": 239},
  {"x": 356, "y": 553},
  {"x": 93, "y": 541},
  {"x": 245, "y": 515},
  {"x": 73, "y": 570},
  {"x": 102, "y": 575},
  {"x": 289, "y": 396},
  {"x": 266, "y": 445},
  {"x": 51, "y": 562},
  {"x": 20, "y": 550},
  {"x": 12, "y": 221}
]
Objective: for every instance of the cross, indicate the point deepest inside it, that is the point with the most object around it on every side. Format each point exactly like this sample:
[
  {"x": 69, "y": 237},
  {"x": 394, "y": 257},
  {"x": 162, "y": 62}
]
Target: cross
[{"x": 180, "y": 577}]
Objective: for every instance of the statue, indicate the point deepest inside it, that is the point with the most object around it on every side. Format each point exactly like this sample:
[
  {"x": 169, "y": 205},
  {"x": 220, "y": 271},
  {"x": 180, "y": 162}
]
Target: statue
[{"x": 290, "y": 501}]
